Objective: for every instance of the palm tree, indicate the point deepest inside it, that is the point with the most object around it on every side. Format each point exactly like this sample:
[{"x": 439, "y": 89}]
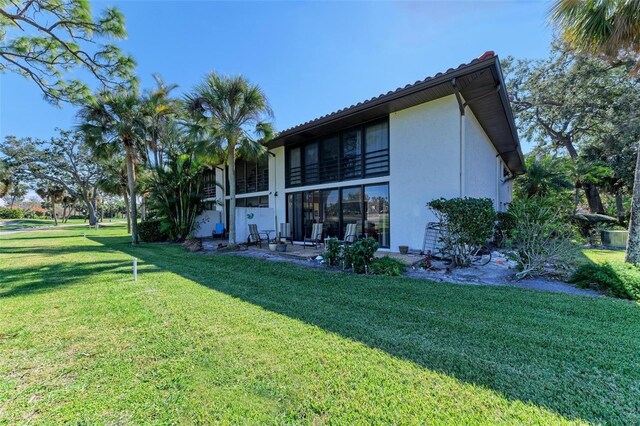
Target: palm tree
[
  {"x": 231, "y": 113},
  {"x": 610, "y": 28},
  {"x": 159, "y": 109},
  {"x": 115, "y": 182},
  {"x": 115, "y": 121},
  {"x": 545, "y": 176}
]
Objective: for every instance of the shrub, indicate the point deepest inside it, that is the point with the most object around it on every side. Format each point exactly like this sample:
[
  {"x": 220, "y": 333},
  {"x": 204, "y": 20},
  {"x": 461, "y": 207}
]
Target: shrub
[
  {"x": 150, "y": 231},
  {"x": 334, "y": 253},
  {"x": 541, "y": 238},
  {"x": 387, "y": 266},
  {"x": 359, "y": 255},
  {"x": 616, "y": 278},
  {"x": 503, "y": 231},
  {"x": 11, "y": 213},
  {"x": 469, "y": 223}
]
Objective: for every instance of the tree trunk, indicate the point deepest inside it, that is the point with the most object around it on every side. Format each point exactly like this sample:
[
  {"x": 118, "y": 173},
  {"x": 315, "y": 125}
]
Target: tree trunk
[
  {"x": 131, "y": 180},
  {"x": 126, "y": 204},
  {"x": 619, "y": 207},
  {"x": 593, "y": 198},
  {"x": 231, "y": 163},
  {"x": 633, "y": 243},
  {"x": 53, "y": 211}
]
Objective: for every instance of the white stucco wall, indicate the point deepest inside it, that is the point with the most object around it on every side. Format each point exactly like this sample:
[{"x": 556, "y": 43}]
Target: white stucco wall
[
  {"x": 480, "y": 165},
  {"x": 425, "y": 164}
]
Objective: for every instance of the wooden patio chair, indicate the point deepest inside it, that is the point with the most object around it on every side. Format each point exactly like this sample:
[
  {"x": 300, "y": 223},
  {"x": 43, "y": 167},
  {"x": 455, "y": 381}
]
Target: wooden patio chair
[{"x": 315, "y": 239}]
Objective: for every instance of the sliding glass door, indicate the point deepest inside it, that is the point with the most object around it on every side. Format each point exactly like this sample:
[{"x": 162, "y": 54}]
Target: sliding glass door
[{"x": 366, "y": 206}]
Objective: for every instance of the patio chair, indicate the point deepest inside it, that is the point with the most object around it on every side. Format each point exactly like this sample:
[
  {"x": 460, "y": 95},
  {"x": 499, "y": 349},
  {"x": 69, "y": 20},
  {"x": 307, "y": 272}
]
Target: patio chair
[
  {"x": 254, "y": 235},
  {"x": 285, "y": 232},
  {"x": 219, "y": 231},
  {"x": 351, "y": 233},
  {"x": 316, "y": 236}
]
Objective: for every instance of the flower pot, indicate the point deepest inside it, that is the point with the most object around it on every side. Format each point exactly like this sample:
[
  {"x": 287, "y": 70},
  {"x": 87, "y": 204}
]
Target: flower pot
[
  {"x": 273, "y": 247},
  {"x": 403, "y": 249},
  {"x": 281, "y": 247}
]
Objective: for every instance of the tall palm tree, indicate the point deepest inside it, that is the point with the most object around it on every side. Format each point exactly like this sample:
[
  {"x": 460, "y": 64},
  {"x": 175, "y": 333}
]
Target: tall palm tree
[
  {"x": 160, "y": 109},
  {"x": 610, "y": 28},
  {"x": 115, "y": 120},
  {"x": 231, "y": 113}
]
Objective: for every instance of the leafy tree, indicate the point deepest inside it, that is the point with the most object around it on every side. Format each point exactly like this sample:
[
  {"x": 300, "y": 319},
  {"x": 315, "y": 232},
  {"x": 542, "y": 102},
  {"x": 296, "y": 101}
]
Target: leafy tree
[
  {"x": 570, "y": 100},
  {"x": 611, "y": 29},
  {"x": 42, "y": 39},
  {"x": 114, "y": 122},
  {"x": 52, "y": 194},
  {"x": 231, "y": 114},
  {"x": 65, "y": 161}
]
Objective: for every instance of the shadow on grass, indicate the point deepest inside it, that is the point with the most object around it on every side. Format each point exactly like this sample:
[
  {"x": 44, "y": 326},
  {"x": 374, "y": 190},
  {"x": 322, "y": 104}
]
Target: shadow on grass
[{"x": 573, "y": 355}]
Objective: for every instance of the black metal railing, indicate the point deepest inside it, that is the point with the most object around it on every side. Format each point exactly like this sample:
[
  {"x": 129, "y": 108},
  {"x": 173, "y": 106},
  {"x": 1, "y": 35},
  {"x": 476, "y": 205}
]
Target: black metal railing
[
  {"x": 375, "y": 163},
  {"x": 252, "y": 183},
  {"x": 209, "y": 190}
]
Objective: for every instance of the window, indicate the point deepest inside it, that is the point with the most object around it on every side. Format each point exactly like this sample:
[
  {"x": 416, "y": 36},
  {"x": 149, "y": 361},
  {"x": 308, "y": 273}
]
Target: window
[
  {"x": 251, "y": 176},
  {"x": 366, "y": 206},
  {"x": 355, "y": 153},
  {"x": 209, "y": 184},
  {"x": 377, "y": 149}
]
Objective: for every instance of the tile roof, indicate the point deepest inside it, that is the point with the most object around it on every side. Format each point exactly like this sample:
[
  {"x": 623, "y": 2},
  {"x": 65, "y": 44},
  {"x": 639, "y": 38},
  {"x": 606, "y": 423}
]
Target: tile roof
[{"x": 486, "y": 55}]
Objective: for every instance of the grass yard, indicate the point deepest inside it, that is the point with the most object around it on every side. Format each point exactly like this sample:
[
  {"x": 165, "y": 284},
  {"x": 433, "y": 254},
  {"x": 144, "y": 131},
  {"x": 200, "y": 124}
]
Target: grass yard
[
  {"x": 201, "y": 339},
  {"x": 34, "y": 223},
  {"x": 604, "y": 255}
]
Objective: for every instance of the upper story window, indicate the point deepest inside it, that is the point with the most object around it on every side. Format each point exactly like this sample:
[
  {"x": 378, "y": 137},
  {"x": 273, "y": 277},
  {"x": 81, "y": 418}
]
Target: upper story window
[
  {"x": 209, "y": 184},
  {"x": 355, "y": 153},
  {"x": 251, "y": 176}
]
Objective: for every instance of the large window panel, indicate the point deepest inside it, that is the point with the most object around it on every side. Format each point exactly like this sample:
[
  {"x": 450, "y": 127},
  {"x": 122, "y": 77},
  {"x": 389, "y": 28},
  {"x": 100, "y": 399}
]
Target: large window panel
[
  {"x": 311, "y": 164},
  {"x": 376, "y": 209},
  {"x": 330, "y": 159},
  {"x": 351, "y": 208},
  {"x": 330, "y": 200},
  {"x": 377, "y": 149},
  {"x": 351, "y": 164}
]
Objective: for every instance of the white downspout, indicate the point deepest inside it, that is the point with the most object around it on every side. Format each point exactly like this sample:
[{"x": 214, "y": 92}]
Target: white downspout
[{"x": 498, "y": 173}]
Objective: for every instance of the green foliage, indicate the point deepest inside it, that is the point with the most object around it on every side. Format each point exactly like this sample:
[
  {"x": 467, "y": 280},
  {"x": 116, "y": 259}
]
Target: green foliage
[
  {"x": 150, "y": 231},
  {"x": 541, "y": 238},
  {"x": 11, "y": 213},
  {"x": 334, "y": 251},
  {"x": 387, "y": 266},
  {"x": 469, "y": 223},
  {"x": 616, "y": 278},
  {"x": 503, "y": 231},
  {"x": 176, "y": 194},
  {"x": 546, "y": 176},
  {"x": 42, "y": 39},
  {"x": 359, "y": 255}
]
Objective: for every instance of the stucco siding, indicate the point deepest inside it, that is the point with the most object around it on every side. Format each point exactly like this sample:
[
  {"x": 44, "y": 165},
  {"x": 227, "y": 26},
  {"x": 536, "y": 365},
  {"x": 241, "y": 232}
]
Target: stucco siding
[
  {"x": 480, "y": 165},
  {"x": 424, "y": 164}
]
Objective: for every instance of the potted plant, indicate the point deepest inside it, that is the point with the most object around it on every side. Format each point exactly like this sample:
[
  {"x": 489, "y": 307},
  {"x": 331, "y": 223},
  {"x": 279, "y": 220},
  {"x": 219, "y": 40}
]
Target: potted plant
[
  {"x": 403, "y": 249},
  {"x": 273, "y": 245},
  {"x": 281, "y": 246}
]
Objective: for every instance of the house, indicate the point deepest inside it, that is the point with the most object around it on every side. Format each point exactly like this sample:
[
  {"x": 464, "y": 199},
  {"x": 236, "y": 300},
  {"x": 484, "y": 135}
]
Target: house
[{"x": 377, "y": 163}]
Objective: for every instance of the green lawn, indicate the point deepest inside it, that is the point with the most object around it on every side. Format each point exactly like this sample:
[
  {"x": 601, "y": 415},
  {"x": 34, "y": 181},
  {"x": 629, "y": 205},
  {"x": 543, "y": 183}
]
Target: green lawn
[
  {"x": 604, "y": 255},
  {"x": 201, "y": 339},
  {"x": 34, "y": 223}
]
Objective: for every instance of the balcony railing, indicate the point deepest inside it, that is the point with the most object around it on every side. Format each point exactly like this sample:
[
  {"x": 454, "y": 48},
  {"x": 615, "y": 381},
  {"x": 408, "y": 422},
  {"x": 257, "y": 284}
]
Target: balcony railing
[
  {"x": 209, "y": 190},
  {"x": 255, "y": 183},
  {"x": 376, "y": 163}
]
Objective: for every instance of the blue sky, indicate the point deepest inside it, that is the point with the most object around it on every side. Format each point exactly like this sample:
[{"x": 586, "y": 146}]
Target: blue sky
[{"x": 310, "y": 58}]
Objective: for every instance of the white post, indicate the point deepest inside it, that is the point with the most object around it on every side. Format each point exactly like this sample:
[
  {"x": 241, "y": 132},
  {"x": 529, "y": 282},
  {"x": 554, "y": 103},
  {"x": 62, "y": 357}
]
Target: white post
[{"x": 135, "y": 269}]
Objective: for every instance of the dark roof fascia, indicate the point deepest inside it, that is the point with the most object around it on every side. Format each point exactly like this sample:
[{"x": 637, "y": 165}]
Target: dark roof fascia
[{"x": 506, "y": 104}]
